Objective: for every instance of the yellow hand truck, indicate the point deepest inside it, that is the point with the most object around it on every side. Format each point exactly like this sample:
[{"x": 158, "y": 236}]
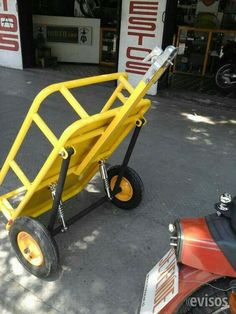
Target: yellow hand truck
[{"x": 76, "y": 156}]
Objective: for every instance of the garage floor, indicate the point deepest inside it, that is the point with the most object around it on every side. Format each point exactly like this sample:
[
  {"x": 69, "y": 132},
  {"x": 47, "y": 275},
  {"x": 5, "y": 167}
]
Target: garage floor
[{"x": 185, "y": 156}]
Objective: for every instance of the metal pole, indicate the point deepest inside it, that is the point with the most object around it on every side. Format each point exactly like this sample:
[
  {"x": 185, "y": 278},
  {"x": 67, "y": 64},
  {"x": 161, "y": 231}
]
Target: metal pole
[
  {"x": 59, "y": 188},
  {"x": 127, "y": 156}
]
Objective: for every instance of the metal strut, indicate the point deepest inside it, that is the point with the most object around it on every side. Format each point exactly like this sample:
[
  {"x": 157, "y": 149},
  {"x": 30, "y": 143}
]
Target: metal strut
[
  {"x": 60, "y": 207},
  {"x": 104, "y": 176},
  {"x": 128, "y": 154},
  {"x": 57, "y": 204}
]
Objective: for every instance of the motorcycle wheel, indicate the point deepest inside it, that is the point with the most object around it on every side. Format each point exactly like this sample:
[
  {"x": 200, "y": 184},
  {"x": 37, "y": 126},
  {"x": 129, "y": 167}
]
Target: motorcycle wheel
[
  {"x": 223, "y": 78},
  {"x": 210, "y": 299}
]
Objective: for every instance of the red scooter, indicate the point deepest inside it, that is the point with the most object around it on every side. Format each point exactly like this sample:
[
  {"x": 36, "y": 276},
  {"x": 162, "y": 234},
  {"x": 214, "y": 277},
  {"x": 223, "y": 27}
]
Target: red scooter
[{"x": 196, "y": 275}]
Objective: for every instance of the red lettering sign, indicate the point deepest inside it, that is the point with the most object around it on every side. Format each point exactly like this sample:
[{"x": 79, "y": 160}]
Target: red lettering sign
[
  {"x": 163, "y": 261},
  {"x": 140, "y": 36},
  {"x": 143, "y": 7},
  {"x": 164, "y": 292},
  {"x": 136, "y": 67},
  {"x": 7, "y": 42},
  {"x": 140, "y": 27},
  {"x": 145, "y": 23},
  {"x": 5, "y": 6},
  {"x": 8, "y": 25},
  {"x": 131, "y": 53}
]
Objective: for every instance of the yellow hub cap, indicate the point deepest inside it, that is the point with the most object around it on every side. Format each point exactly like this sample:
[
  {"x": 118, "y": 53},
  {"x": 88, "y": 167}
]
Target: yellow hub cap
[
  {"x": 30, "y": 248},
  {"x": 126, "y": 192}
]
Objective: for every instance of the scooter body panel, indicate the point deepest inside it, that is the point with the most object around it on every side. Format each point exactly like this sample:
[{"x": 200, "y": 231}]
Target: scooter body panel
[
  {"x": 190, "y": 280},
  {"x": 198, "y": 249}
]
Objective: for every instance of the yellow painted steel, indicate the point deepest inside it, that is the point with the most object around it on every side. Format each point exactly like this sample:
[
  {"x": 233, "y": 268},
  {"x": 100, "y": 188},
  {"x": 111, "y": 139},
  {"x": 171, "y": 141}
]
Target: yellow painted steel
[
  {"x": 126, "y": 192},
  {"x": 93, "y": 138},
  {"x": 30, "y": 249}
]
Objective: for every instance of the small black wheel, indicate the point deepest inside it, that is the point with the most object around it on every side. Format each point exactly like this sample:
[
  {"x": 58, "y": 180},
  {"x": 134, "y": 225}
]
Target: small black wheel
[
  {"x": 34, "y": 247},
  {"x": 131, "y": 187}
]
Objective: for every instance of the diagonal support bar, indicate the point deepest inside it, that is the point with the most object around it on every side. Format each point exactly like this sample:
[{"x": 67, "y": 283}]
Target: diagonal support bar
[
  {"x": 45, "y": 129},
  {"x": 59, "y": 188},
  {"x": 127, "y": 156},
  {"x": 74, "y": 103},
  {"x": 20, "y": 174}
]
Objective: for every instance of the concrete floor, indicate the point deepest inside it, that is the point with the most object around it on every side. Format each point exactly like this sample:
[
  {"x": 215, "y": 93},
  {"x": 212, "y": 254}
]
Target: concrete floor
[{"x": 185, "y": 155}]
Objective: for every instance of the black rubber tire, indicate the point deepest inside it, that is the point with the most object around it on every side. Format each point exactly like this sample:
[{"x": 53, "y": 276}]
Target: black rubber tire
[
  {"x": 136, "y": 183},
  {"x": 47, "y": 244},
  {"x": 225, "y": 88},
  {"x": 222, "y": 284}
]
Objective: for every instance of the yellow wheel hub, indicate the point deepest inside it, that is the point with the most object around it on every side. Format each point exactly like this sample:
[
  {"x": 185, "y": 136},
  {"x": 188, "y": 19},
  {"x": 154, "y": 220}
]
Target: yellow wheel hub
[
  {"x": 30, "y": 248},
  {"x": 126, "y": 192}
]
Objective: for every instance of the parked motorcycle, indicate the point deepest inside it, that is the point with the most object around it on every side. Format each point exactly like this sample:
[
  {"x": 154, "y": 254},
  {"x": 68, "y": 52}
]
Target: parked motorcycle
[
  {"x": 225, "y": 77},
  {"x": 196, "y": 275}
]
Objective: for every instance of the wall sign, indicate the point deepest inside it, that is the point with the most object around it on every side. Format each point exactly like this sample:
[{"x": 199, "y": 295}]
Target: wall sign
[
  {"x": 72, "y": 39},
  {"x": 85, "y": 35},
  {"x": 141, "y": 30},
  {"x": 81, "y": 35},
  {"x": 10, "y": 46},
  {"x": 62, "y": 34}
]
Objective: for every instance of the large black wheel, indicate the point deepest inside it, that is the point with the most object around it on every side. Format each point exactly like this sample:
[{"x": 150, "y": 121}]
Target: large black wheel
[
  {"x": 131, "y": 188},
  {"x": 210, "y": 299},
  {"x": 34, "y": 247}
]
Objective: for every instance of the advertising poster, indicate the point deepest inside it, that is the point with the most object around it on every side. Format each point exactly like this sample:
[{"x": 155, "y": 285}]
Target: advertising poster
[
  {"x": 10, "y": 46},
  {"x": 142, "y": 24}
]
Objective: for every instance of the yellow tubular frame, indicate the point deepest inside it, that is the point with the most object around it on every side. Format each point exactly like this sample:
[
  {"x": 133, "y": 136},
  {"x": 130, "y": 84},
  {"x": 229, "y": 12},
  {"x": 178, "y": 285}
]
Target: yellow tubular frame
[{"x": 134, "y": 104}]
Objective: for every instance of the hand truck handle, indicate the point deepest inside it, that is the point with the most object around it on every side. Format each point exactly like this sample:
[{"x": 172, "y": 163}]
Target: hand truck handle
[{"x": 159, "y": 59}]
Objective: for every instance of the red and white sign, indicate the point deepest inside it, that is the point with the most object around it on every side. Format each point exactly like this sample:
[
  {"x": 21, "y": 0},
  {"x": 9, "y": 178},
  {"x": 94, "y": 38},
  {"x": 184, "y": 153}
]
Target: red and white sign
[
  {"x": 141, "y": 30},
  {"x": 10, "y": 47},
  {"x": 162, "y": 284}
]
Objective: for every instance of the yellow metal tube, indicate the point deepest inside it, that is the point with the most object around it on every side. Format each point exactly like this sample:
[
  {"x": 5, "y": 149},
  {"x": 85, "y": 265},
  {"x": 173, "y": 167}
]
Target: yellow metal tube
[
  {"x": 126, "y": 84},
  {"x": 87, "y": 136},
  {"x": 121, "y": 97},
  {"x": 130, "y": 103},
  {"x": 92, "y": 80},
  {"x": 6, "y": 209},
  {"x": 36, "y": 104},
  {"x": 15, "y": 147},
  {"x": 36, "y": 182},
  {"x": 45, "y": 129},
  {"x": 74, "y": 103},
  {"x": 112, "y": 99},
  {"x": 20, "y": 174}
]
